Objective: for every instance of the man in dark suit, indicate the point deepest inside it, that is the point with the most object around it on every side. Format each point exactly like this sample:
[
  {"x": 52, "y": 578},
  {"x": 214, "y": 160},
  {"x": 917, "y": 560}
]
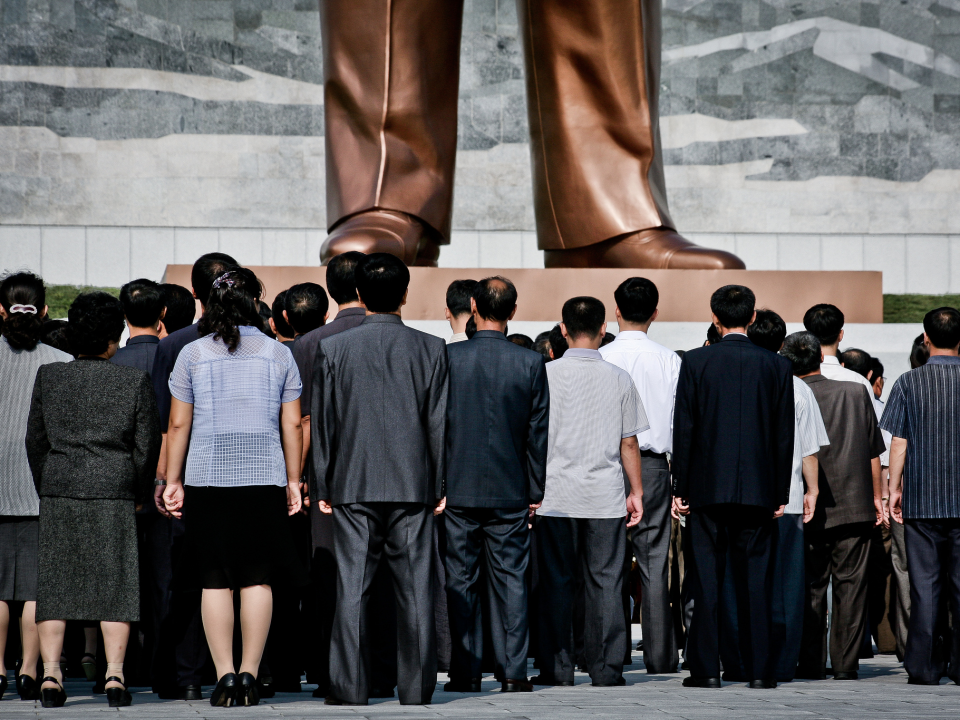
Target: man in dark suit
[
  {"x": 732, "y": 463},
  {"x": 496, "y": 458},
  {"x": 378, "y": 425}
]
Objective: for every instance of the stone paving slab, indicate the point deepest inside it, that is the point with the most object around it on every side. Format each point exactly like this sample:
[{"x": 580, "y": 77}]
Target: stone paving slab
[{"x": 882, "y": 692}]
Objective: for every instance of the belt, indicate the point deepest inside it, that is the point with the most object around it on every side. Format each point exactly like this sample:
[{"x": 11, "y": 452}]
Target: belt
[{"x": 651, "y": 454}]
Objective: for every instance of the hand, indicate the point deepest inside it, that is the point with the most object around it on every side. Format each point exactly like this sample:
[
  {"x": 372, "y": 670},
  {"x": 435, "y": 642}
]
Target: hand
[
  {"x": 325, "y": 507},
  {"x": 441, "y": 506},
  {"x": 778, "y": 513},
  {"x": 534, "y": 507},
  {"x": 293, "y": 498},
  {"x": 885, "y": 502},
  {"x": 896, "y": 506},
  {"x": 305, "y": 494},
  {"x": 809, "y": 506},
  {"x": 158, "y": 500},
  {"x": 878, "y": 508},
  {"x": 679, "y": 507},
  {"x": 634, "y": 509},
  {"x": 173, "y": 499}
]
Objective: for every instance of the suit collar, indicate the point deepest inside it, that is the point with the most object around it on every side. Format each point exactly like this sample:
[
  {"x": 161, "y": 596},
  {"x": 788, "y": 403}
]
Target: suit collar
[
  {"x": 347, "y": 312},
  {"x": 813, "y": 379},
  {"x": 141, "y": 339},
  {"x": 388, "y": 318},
  {"x": 734, "y": 337},
  {"x": 490, "y": 334}
]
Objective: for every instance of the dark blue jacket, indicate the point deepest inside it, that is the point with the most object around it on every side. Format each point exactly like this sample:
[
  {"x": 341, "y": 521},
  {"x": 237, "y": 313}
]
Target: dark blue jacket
[{"x": 139, "y": 353}]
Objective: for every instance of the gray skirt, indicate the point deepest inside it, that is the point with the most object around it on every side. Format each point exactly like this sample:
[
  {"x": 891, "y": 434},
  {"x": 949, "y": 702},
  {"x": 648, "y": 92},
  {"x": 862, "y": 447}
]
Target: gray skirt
[
  {"x": 88, "y": 563},
  {"x": 18, "y": 558}
]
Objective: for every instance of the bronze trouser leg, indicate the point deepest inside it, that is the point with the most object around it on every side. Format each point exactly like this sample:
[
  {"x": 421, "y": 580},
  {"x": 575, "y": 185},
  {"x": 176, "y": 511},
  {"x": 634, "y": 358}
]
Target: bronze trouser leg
[
  {"x": 391, "y": 72},
  {"x": 593, "y": 69}
]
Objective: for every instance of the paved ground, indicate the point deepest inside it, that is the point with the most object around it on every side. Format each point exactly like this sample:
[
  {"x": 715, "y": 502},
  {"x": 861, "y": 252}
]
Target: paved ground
[{"x": 881, "y": 693}]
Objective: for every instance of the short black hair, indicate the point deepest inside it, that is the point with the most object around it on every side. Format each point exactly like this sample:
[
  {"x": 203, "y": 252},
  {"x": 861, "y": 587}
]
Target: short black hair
[
  {"x": 306, "y": 305},
  {"x": 470, "y": 329},
  {"x": 767, "y": 331},
  {"x": 802, "y": 349},
  {"x": 713, "y": 335},
  {"x": 382, "y": 281},
  {"x": 276, "y": 314},
  {"x": 143, "y": 302},
  {"x": 458, "y": 296},
  {"x": 636, "y": 299},
  {"x": 825, "y": 321},
  {"x": 342, "y": 276},
  {"x": 54, "y": 334},
  {"x": 206, "y": 269},
  {"x": 608, "y": 338},
  {"x": 521, "y": 340},
  {"x": 942, "y": 326},
  {"x": 733, "y": 305},
  {"x": 496, "y": 297},
  {"x": 557, "y": 342},
  {"x": 877, "y": 368},
  {"x": 583, "y": 316},
  {"x": 919, "y": 354},
  {"x": 857, "y": 360},
  {"x": 96, "y": 320},
  {"x": 181, "y": 307},
  {"x": 265, "y": 313}
]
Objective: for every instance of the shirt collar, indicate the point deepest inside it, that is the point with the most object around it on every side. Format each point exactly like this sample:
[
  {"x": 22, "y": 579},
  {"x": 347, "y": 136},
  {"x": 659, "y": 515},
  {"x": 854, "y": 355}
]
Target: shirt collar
[
  {"x": 583, "y": 353},
  {"x": 491, "y": 334},
  {"x": 830, "y": 360},
  {"x": 943, "y": 360},
  {"x": 738, "y": 336},
  {"x": 632, "y": 335},
  {"x": 457, "y": 337},
  {"x": 383, "y": 318},
  {"x": 141, "y": 339}
]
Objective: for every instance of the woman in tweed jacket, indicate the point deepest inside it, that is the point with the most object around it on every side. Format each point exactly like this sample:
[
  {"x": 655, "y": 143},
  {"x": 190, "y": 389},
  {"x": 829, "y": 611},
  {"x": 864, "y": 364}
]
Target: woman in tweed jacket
[{"x": 93, "y": 441}]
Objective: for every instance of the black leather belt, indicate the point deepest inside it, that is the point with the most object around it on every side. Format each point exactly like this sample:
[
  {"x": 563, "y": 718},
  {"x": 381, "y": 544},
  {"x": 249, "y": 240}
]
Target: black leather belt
[{"x": 651, "y": 454}]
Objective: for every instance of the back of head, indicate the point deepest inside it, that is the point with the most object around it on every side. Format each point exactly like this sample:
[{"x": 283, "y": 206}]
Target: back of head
[
  {"x": 857, "y": 360},
  {"x": 206, "y": 269},
  {"x": 96, "y": 320},
  {"x": 767, "y": 331},
  {"x": 583, "y": 317},
  {"x": 636, "y": 298},
  {"x": 733, "y": 305},
  {"x": 458, "y": 297},
  {"x": 306, "y": 305},
  {"x": 557, "y": 343},
  {"x": 919, "y": 354},
  {"x": 266, "y": 315},
  {"x": 382, "y": 281},
  {"x": 877, "y": 368},
  {"x": 342, "y": 277},
  {"x": 181, "y": 307},
  {"x": 233, "y": 301},
  {"x": 276, "y": 314},
  {"x": 802, "y": 349},
  {"x": 607, "y": 339},
  {"x": 23, "y": 297},
  {"x": 496, "y": 298},
  {"x": 54, "y": 334},
  {"x": 942, "y": 326},
  {"x": 713, "y": 335},
  {"x": 825, "y": 321},
  {"x": 542, "y": 346},
  {"x": 142, "y": 302},
  {"x": 521, "y": 340}
]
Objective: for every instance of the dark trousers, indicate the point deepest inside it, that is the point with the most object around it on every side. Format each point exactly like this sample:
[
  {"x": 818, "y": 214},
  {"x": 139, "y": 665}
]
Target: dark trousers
[
  {"x": 789, "y": 595},
  {"x": 597, "y": 546},
  {"x": 402, "y": 533},
  {"x": 839, "y": 553},
  {"x": 181, "y": 647},
  {"x": 650, "y": 541},
  {"x": 933, "y": 554},
  {"x": 501, "y": 536},
  {"x": 900, "y": 579},
  {"x": 748, "y": 534}
]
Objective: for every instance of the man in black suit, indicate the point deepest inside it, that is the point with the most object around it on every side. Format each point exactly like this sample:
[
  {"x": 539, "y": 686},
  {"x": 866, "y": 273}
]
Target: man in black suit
[
  {"x": 378, "y": 424},
  {"x": 733, "y": 457},
  {"x": 496, "y": 457}
]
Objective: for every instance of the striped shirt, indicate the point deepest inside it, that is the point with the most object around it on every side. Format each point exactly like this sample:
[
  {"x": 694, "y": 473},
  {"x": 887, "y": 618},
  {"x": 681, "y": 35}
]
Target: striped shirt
[
  {"x": 924, "y": 409},
  {"x": 18, "y": 373},
  {"x": 808, "y": 437},
  {"x": 593, "y": 406}
]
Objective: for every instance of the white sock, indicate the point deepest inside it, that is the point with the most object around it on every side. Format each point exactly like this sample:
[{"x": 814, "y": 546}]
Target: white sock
[
  {"x": 53, "y": 670},
  {"x": 115, "y": 670}
]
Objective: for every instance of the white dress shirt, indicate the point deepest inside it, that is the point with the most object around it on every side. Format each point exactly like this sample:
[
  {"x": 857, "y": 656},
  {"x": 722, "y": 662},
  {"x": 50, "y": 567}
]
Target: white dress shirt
[
  {"x": 831, "y": 369},
  {"x": 655, "y": 371},
  {"x": 457, "y": 337},
  {"x": 809, "y": 436}
]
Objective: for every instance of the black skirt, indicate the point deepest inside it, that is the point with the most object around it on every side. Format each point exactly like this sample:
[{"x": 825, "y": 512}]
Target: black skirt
[
  {"x": 19, "y": 542},
  {"x": 237, "y": 537}
]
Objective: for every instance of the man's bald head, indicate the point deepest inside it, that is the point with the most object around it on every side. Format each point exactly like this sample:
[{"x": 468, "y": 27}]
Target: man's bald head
[{"x": 496, "y": 298}]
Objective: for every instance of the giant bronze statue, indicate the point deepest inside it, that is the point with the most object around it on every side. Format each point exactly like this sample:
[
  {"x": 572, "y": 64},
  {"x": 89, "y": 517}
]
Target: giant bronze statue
[{"x": 592, "y": 70}]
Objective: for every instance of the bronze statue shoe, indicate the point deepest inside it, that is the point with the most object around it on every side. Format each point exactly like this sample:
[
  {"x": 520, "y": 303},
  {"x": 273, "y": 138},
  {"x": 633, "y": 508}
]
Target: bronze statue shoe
[
  {"x": 386, "y": 231},
  {"x": 656, "y": 249}
]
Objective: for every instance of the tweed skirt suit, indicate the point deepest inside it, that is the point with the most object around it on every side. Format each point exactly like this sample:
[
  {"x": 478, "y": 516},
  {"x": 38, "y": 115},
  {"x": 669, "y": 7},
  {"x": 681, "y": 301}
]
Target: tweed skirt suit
[{"x": 93, "y": 441}]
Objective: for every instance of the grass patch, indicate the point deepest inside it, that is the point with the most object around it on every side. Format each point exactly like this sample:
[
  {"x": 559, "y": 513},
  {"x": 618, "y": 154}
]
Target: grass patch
[
  {"x": 912, "y": 308},
  {"x": 59, "y": 297}
]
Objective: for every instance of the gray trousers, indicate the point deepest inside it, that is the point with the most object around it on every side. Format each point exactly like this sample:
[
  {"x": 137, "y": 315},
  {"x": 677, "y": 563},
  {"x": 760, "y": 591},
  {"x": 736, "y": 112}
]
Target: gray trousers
[
  {"x": 402, "y": 533},
  {"x": 900, "y": 620},
  {"x": 650, "y": 545}
]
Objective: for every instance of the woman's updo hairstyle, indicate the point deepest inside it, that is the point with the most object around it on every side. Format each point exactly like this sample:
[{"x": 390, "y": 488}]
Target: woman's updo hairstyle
[
  {"x": 232, "y": 303},
  {"x": 96, "y": 320},
  {"x": 23, "y": 298}
]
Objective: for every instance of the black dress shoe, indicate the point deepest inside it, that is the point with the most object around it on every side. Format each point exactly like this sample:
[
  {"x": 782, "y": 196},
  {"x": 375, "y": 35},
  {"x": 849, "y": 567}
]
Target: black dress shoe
[
  {"x": 380, "y": 693},
  {"x": 52, "y": 697},
  {"x": 247, "y": 691},
  {"x": 708, "y": 682},
  {"x": 331, "y": 700},
  {"x": 763, "y": 684},
  {"x": 619, "y": 682},
  {"x": 190, "y": 692},
  {"x": 846, "y": 676},
  {"x": 3, "y": 685},
  {"x": 550, "y": 681},
  {"x": 462, "y": 686},
  {"x": 225, "y": 693},
  {"x": 117, "y": 696},
  {"x": 516, "y": 686}
]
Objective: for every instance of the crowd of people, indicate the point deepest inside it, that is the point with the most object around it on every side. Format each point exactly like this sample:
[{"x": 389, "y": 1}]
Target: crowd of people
[{"x": 270, "y": 492}]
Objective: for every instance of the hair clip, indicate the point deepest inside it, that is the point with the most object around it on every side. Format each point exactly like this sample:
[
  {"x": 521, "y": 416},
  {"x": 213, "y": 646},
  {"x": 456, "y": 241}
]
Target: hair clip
[
  {"x": 224, "y": 279},
  {"x": 25, "y": 309}
]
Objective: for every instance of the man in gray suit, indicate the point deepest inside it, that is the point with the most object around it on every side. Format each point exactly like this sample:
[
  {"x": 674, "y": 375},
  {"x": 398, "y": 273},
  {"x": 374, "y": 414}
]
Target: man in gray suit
[{"x": 378, "y": 422}]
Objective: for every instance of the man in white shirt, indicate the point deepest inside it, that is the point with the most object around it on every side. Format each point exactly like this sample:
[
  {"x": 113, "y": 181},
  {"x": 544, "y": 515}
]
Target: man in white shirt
[
  {"x": 826, "y": 323},
  {"x": 655, "y": 370},
  {"x": 458, "y": 312}
]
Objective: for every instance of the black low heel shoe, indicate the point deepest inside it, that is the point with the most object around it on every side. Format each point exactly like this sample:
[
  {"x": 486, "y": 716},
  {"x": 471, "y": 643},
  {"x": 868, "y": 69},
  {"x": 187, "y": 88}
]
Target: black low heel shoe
[
  {"x": 3, "y": 685},
  {"x": 118, "y": 696},
  {"x": 52, "y": 697},
  {"x": 28, "y": 688},
  {"x": 225, "y": 693},
  {"x": 247, "y": 693}
]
